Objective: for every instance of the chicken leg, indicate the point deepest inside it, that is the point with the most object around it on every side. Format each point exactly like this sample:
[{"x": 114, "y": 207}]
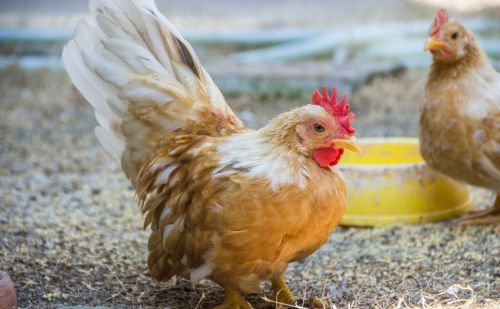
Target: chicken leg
[
  {"x": 487, "y": 216},
  {"x": 282, "y": 293},
  {"x": 233, "y": 300}
]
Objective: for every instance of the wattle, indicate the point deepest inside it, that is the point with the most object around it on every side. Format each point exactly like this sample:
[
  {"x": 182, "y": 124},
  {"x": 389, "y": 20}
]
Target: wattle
[{"x": 327, "y": 156}]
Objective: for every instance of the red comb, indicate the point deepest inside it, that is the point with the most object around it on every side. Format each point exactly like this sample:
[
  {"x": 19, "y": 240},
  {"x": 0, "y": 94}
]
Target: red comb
[
  {"x": 439, "y": 20},
  {"x": 339, "y": 110}
]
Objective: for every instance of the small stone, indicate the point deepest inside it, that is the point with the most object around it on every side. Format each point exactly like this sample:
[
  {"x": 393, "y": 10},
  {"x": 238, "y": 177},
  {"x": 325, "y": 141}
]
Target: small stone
[
  {"x": 48, "y": 245},
  {"x": 318, "y": 303}
]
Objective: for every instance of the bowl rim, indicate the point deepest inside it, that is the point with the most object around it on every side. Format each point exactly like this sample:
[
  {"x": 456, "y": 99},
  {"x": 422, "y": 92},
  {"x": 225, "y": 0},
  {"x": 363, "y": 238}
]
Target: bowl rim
[
  {"x": 387, "y": 140},
  {"x": 414, "y": 218}
]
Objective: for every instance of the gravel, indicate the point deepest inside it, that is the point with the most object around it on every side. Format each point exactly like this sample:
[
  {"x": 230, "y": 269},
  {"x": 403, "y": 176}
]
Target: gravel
[{"x": 70, "y": 231}]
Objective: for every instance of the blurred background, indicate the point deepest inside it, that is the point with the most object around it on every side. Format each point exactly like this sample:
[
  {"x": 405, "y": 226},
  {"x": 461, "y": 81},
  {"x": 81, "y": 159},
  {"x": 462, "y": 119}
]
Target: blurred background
[
  {"x": 70, "y": 232},
  {"x": 281, "y": 50}
]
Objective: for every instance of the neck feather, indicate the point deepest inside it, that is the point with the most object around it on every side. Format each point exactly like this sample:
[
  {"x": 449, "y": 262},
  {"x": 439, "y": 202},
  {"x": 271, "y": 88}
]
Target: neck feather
[
  {"x": 258, "y": 154},
  {"x": 474, "y": 58}
]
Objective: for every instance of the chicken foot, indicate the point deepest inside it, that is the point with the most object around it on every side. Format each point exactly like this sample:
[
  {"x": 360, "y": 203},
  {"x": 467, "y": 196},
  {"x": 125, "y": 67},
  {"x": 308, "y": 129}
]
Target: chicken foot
[
  {"x": 282, "y": 293},
  {"x": 233, "y": 300},
  {"x": 487, "y": 216}
]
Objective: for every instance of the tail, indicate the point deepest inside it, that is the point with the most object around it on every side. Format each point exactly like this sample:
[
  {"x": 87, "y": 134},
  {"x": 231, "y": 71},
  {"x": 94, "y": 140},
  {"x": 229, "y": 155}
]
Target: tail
[{"x": 143, "y": 80}]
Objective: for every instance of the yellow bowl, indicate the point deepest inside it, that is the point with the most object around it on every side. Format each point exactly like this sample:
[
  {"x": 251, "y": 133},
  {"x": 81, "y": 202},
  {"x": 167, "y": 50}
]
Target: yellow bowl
[{"x": 390, "y": 183}]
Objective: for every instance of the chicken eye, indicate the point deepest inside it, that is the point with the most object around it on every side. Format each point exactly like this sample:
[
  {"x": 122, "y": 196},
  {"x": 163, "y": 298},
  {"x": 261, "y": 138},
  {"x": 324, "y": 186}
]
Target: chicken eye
[
  {"x": 318, "y": 127},
  {"x": 454, "y": 35}
]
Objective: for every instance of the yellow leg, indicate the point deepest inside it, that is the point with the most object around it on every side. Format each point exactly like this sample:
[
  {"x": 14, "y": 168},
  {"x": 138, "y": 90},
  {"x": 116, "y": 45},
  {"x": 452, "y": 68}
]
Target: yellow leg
[
  {"x": 282, "y": 293},
  {"x": 233, "y": 300},
  {"x": 487, "y": 216}
]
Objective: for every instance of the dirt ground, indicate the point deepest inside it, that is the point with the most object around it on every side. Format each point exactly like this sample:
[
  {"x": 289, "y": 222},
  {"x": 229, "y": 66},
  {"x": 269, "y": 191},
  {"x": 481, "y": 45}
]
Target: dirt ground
[{"x": 70, "y": 232}]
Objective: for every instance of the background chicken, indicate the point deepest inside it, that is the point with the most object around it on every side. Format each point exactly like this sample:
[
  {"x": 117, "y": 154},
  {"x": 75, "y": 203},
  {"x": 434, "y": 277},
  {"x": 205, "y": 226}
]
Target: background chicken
[
  {"x": 223, "y": 202},
  {"x": 460, "y": 121}
]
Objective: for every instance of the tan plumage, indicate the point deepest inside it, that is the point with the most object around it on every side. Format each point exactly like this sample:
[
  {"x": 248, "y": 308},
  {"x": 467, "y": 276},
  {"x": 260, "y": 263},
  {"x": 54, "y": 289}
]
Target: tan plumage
[
  {"x": 223, "y": 202},
  {"x": 247, "y": 231},
  {"x": 460, "y": 120}
]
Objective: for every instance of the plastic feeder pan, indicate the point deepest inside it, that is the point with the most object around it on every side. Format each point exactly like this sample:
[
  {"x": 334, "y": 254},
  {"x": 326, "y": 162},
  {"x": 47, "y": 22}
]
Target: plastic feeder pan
[{"x": 389, "y": 183}]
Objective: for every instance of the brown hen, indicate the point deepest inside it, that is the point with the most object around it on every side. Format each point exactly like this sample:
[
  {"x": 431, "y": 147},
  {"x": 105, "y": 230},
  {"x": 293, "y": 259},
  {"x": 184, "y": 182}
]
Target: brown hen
[{"x": 460, "y": 120}]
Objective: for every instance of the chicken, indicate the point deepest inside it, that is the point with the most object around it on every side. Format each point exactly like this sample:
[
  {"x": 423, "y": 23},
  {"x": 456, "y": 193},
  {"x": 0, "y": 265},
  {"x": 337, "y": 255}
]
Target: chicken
[
  {"x": 460, "y": 119},
  {"x": 223, "y": 202}
]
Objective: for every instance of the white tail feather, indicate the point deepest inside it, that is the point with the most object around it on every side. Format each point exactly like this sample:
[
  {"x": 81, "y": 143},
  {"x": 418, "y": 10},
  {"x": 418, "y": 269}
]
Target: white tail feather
[
  {"x": 142, "y": 78},
  {"x": 112, "y": 144}
]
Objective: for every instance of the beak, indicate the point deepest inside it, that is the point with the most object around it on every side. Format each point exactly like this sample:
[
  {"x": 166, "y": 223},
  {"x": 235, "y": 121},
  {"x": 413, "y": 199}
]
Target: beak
[
  {"x": 433, "y": 44},
  {"x": 349, "y": 144}
]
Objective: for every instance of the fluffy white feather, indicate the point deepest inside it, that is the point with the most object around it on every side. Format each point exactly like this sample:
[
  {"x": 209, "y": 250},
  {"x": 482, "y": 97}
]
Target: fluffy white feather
[
  {"x": 130, "y": 60},
  {"x": 247, "y": 152}
]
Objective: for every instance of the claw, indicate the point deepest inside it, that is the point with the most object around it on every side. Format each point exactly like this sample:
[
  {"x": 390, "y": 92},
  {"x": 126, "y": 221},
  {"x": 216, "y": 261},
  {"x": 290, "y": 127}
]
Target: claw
[
  {"x": 282, "y": 293},
  {"x": 480, "y": 220},
  {"x": 481, "y": 217},
  {"x": 233, "y": 300}
]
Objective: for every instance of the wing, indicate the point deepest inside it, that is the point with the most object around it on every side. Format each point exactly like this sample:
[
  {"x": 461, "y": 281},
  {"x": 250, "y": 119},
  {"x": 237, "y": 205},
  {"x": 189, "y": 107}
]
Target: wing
[
  {"x": 486, "y": 162},
  {"x": 176, "y": 190},
  {"x": 143, "y": 80}
]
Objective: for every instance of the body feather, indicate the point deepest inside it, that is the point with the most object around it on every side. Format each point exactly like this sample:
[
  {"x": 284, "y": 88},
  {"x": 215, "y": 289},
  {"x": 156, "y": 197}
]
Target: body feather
[
  {"x": 466, "y": 108},
  {"x": 214, "y": 217}
]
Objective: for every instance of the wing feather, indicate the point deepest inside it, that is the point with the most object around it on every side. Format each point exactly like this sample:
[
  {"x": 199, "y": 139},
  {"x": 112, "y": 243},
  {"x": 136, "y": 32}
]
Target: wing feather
[
  {"x": 175, "y": 187},
  {"x": 488, "y": 158}
]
